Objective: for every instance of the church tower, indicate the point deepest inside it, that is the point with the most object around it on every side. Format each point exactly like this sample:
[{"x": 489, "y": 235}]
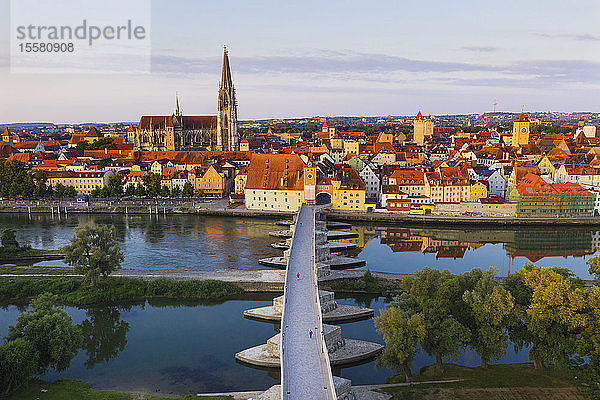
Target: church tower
[
  {"x": 419, "y": 129},
  {"x": 227, "y": 135},
  {"x": 520, "y": 136}
]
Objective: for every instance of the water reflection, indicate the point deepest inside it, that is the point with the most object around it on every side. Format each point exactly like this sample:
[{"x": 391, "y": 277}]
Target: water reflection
[
  {"x": 105, "y": 335},
  {"x": 405, "y": 249},
  {"x": 171, "y": 242},
  {"x": 205, "y": 243},
  {"x": 166, "y": 346}
]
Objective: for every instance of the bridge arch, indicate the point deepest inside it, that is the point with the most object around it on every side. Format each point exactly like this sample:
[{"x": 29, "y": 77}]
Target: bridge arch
[{"x": 323, "y": 198}]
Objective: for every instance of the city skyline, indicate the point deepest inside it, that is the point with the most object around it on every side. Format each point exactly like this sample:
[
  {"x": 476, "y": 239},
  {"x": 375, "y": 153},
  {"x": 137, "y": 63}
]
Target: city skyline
[{"x": 335, "y": 59}]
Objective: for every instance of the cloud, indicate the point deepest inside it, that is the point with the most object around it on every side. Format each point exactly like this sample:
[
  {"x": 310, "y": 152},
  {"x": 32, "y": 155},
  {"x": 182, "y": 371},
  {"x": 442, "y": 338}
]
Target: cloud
[
  {"x": 381, "y": 68},
  {"x": 481, "y": 49},
  {"x": 583, "y": 36},
  {"x": 336, "y": 62}
]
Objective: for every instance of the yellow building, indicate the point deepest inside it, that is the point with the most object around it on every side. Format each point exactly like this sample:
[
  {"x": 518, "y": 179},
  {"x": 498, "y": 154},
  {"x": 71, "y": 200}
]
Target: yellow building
[
  {"x": 336, "y": 142},
  {"x": 384, "y": 158},
  {"x": 86, "y": 181},
  {"x": 478, "y": 191},
  {"x": 422, "y": 128},
  {"x": 240, "y": 180},
  {"x": 93, "y": 135},
  {"x": 351, "y": 147},
  {"x": 209, "y": 181},
  {"x": 348, "y": 190},
  {"x": 520, "y": 135},
  {"x": 546, "y": 167}
]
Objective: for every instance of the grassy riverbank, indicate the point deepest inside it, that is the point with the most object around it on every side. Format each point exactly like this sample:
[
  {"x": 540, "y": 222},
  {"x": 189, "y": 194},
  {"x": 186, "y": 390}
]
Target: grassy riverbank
[
  {"x": 70, "y": 290},
  {"x": 27, "y": 253},
  {"x": 368, "y": 284},
  {"x": 499, "y": 382},
  {"x": 69, "y": 389}
]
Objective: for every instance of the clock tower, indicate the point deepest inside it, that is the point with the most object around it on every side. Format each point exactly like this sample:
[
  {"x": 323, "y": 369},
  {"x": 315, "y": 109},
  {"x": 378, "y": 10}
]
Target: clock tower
[
  {"x": 310, "y": 183},
  {"x": 520, "y": 136}
]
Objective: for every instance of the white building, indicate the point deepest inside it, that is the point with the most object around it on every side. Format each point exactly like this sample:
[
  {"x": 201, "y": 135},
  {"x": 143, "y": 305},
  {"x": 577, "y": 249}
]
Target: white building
[
  {"x": 372, "y": 181},
  {"x": 496, "y": 184}
]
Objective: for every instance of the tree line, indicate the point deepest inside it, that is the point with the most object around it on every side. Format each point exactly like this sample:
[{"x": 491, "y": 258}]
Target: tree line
[
  {"x": 150, "y": 186},
  {"x": 17, "y": 182},
  {"x": 545, "y": 310}
]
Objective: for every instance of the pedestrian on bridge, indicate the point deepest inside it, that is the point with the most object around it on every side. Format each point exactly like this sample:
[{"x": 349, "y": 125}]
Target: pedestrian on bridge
[
  {"x": 298, "y": 275},
  {"x": 310, "y": 333}
]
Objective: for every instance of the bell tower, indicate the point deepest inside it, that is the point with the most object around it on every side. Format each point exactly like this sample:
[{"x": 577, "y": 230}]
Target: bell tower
[
  {"x": 520, "y": 136},
  {"x": 310, "y": 183}
]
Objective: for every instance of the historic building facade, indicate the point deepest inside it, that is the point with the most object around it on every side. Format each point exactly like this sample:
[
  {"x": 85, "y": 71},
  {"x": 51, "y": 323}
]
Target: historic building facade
[{"x": 178, "y": 131}]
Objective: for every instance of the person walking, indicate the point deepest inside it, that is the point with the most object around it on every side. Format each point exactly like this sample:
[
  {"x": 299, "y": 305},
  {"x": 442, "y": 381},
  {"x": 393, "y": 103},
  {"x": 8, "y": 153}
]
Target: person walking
[
  {"x": 310, "y": 333},
  {"x": 298, "y": 275}
]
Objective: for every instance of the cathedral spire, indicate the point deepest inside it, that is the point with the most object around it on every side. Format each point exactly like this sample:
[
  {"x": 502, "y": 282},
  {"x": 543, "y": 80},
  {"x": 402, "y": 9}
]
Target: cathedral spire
[
  {"x": 227, "y": 136},
  {"x": 177, "y": 110},
  {"x": 226, "y": 72}
]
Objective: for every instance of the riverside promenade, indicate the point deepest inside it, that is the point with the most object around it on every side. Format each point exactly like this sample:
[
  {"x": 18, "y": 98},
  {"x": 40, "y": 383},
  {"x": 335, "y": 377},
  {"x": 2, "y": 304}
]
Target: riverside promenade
[
  {"x": 221, "y": 207},
  {"x": 305, "y": 369}
]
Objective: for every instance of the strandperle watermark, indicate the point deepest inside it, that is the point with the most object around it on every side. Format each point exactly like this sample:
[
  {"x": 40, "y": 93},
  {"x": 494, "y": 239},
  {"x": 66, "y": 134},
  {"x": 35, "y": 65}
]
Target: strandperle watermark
[{"x": 80, "y": 36}]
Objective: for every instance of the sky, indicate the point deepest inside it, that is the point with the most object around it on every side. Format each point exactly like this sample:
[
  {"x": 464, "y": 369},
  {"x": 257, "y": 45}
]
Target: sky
[{"x": 331, "y": 58}]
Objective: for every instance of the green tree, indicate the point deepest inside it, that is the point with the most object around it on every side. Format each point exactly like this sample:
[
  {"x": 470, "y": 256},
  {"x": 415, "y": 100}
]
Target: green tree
[
  {"x": 59, "y": 190},
  {"x": 492, "y": 309},
  {"x": 553, "y": 318},
  {"x": 176, "y": 192},
  {"x": 140, "y": 190},
  {"x": 594, "y": 266},
  {"x": 54, "y": 338},
  {"x": 97, "y": 192},
  {"x": 589, "y": 346},
  {"x": 165, "y": 191},
  {"x": 429, "y": 293},
  {"x": 9, "y": 238},
  {"x": 40, "y": 179},
  {"x": 401, "y": 334},
  {"x": 101, "y": 144},
  {"x": 18, "y": 362},
  {"x": 15, "y": 180},
  {"x": 152, "y": 184},
  {"x": 188, "y": 190},
  {"x": 70, "y": 192},
  {"x": 115, "y": 186},
  {"x": 94, "y": 251},
  {"x": 130, "y": 191},
  {"x": 104, "y": 192}
]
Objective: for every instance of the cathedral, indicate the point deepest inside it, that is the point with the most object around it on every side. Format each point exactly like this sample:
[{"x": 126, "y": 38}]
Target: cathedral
[{"x": 178, "y": 131}]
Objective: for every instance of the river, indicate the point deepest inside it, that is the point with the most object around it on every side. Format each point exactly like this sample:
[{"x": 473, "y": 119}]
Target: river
[
  {"x": 188, "y": 347},
  {"x": 206, "y": 243}
]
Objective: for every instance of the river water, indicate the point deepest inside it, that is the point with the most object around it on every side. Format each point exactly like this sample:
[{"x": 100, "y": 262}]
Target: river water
[{"x": 188, "y": 347}]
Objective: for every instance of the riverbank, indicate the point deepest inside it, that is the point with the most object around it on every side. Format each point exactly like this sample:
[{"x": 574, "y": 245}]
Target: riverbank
[
  {"x": 144, "y": 283},
  {"x": 459, "y": 220},
  {"x": 70, "y": 389},
  {"x": 29, "y": 256},
  {"x": 70, "y": 290},
  {"x": 221, "y": 207},
  {"x": 499, "y": 382},
  {"x": 259, "y": 281}
]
